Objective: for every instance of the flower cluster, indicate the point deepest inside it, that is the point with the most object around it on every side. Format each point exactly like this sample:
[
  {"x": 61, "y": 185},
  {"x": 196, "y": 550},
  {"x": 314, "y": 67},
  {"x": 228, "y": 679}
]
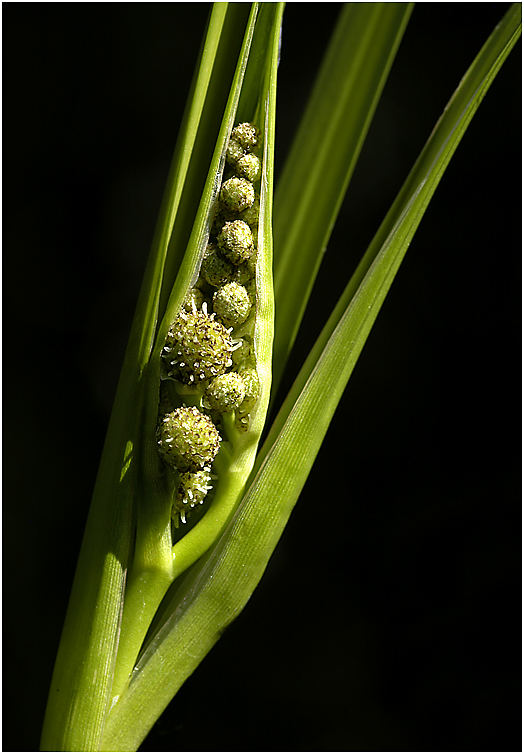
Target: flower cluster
[{"x": 202, "y": 348}]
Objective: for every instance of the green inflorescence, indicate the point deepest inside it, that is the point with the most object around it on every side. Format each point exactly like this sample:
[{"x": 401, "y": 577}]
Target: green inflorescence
[
  {"x": 232, "y": 304},
  {"x": 187, "y": 439},
  {"x": 192, "y": 490},
  {"x": 197, "y": 347},
  {"x": 199, "y": 350},
  {"x": 247, "y": 135},
  {"x": 225, "y": 393},
  {"x": 237, "y": 194},
  {"x": 248, "y": 166},
  {"x": 235, "y": 241}
]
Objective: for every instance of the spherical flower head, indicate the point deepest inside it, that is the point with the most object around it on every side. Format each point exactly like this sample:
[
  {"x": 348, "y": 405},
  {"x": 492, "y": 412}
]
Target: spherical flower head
[
  {"x": 252, "y": 386},
  {"x": 248, "y": 167},
  {"x": 234, "y": 152},
  {"x": 197, "y": 347},
  {"x": 235, "y": 241},
  {"x": 188, "y": 440},
  {"x": 237, "y": 194},
  {"x": 225, "y": 393},
  {"x": 192, "y": 490},
  {"x": 194, "y": 300},
  {"x": 247, "y": 136},
  {"x": 216, "y": 269},
  {"x": 232, "y": 304}
]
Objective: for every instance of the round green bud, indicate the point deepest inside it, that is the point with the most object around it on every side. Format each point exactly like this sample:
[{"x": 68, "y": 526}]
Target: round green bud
[
  {"x": 235, "y": 241},
  {"x": 197, "y": 347},
  {"x": 248, "y": 167},
  {"x": 232, "y": 304},
  {"x": 237, "y": 194},
  {"x": 252, "y": 386},
  {"x": 192, "y": 490},
  {"x": 187, "y": 439},
  {"x": 225, "y": 393},
  {"x": 247, "y": 136},
  {"x": 234, "y": 152},
  {"x": 251, "y": 215},
  {"x": 194, "y": 300},
  {"x": 216, "y": 270}
]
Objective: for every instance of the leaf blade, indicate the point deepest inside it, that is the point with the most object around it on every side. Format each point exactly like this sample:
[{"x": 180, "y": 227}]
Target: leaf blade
[{"x": 321, "y": 162}]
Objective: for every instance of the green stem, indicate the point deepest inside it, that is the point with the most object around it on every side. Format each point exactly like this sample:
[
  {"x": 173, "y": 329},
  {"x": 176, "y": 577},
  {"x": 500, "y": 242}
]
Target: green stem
[
  {"x": 152, "y": 570},
  {"x": 143, "y": 596}
]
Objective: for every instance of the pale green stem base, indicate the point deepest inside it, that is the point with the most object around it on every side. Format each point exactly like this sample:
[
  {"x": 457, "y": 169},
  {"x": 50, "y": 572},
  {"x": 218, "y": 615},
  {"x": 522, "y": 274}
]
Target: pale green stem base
[{"x": 143, "y": 596}]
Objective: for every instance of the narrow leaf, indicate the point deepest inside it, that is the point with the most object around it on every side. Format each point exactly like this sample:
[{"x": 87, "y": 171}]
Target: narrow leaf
[{"x": 324, "y": 154}]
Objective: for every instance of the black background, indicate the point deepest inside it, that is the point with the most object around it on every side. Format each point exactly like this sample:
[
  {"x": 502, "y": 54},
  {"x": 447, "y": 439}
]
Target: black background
[{"x": 389, "y": 617}]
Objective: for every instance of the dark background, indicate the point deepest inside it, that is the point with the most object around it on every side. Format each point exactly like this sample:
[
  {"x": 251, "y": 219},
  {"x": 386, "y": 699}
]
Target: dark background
[{"x": 389, "y": 617}]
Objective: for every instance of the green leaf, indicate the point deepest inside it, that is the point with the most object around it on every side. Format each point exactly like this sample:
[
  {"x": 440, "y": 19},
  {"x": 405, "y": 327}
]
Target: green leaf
[
  {"x": 216, "y": 589},
  {"x": 325, "y": 150}
]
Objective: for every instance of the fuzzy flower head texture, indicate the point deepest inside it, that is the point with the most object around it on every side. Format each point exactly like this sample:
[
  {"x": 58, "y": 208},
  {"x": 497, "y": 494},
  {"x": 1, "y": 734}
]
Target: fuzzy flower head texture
[
  {"x": 191, "y": 491},
  {"x": 232, "y": 304},
  {"x": 235, "y": 241},
  {"x": 248, "y": 166},
  {"x": 225, "y": 393},
  {"x": 188, "y": 440},
  {"x": 198, "y": 347},
  {"x": 247, "y": 135},
  {"x": 237, "y": 194}
]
